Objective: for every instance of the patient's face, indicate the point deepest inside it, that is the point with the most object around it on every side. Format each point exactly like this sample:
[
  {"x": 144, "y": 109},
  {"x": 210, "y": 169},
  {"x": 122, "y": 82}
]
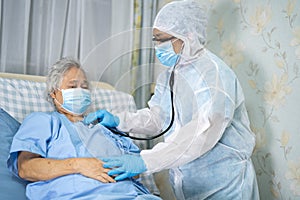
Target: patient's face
[{"x": 74, "y": 78}]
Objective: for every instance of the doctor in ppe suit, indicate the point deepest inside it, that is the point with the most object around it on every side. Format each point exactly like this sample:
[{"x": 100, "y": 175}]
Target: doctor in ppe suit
[{"x": 209, "y": 146}]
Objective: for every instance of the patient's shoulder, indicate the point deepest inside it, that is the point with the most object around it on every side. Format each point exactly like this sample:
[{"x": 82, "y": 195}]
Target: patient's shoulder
[
  {"x": 41, "y": 117},
  {"x": 38, "y": 115}
]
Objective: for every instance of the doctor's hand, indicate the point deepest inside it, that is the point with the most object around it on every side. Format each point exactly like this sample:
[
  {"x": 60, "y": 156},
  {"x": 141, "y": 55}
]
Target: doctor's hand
[
  {"x": 124, "y": 166},
  {"x": 104, "y": 117}
]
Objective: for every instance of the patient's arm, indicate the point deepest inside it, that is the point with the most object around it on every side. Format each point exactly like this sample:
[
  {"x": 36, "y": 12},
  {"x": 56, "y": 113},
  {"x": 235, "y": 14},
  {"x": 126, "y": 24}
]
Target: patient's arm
[{"x": 33, "y": 167}]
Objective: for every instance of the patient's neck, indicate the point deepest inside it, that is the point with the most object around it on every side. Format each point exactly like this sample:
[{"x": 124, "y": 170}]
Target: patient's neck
[{"x": 72, "y": 117}]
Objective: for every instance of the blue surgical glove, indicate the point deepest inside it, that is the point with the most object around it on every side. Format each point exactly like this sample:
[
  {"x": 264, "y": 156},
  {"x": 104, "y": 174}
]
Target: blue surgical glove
[
  {"x": 124, "y": 166},
  {"x": 103, "y": 117}
]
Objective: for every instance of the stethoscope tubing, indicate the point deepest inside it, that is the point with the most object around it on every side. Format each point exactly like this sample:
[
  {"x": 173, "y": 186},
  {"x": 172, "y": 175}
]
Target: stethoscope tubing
[{"x": 171, "y": 84}]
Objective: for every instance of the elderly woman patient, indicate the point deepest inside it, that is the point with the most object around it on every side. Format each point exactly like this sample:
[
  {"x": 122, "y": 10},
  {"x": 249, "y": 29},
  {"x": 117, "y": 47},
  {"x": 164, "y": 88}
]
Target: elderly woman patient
[{"x": 60, "y": 156}]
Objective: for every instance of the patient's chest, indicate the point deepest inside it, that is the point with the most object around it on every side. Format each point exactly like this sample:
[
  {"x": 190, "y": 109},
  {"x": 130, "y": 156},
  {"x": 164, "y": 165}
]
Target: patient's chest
[{"x": 97, "y": 142}]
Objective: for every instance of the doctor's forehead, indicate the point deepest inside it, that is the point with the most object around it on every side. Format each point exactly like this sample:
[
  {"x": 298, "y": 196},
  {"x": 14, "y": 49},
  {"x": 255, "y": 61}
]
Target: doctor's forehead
[{"x": 157, "y": 33}]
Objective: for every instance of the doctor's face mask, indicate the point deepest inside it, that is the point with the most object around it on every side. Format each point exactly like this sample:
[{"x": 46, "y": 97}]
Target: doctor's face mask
[{"x": 166, "y": 54}]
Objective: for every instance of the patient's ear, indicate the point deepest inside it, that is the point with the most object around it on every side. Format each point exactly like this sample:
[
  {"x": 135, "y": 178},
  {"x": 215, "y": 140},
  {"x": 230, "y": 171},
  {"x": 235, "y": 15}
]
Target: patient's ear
[
  {"x": 57, "y": 96},
  {"x": 53, "y": 95}
]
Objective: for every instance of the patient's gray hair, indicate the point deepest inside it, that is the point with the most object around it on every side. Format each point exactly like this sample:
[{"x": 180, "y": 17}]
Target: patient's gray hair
[{"x": 57, "y": 72}]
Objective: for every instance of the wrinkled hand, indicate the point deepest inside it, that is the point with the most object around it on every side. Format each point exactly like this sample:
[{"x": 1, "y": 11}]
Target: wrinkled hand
[
  {"x": 124, "y": 166},
  {"x": 104, "y": 117},
  {"x": 93, "y": 168}
]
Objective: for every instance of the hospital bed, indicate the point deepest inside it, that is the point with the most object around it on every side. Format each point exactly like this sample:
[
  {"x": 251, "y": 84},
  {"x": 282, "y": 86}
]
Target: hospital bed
[{"x": 22, "y": 94}]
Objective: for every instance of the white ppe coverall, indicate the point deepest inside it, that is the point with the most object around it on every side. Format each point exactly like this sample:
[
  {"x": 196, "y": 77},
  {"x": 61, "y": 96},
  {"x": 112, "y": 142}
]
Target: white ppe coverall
[{"x": 208, "y": 149}]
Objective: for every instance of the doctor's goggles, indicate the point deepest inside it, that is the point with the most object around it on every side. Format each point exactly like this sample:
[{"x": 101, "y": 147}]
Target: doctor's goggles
[{"x": 159, "y": 41}]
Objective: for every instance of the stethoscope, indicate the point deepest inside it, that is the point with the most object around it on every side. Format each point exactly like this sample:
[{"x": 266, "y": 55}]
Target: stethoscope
[{"x": 126, "y": 134}]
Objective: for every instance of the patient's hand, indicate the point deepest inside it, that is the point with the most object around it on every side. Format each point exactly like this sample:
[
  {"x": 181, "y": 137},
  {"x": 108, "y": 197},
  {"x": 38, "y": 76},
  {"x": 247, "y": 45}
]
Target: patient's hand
[{"x": 92, "y": 168}]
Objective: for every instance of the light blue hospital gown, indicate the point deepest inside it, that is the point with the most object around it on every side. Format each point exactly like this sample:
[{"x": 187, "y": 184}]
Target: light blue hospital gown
[{"x": 52, "y": 135}]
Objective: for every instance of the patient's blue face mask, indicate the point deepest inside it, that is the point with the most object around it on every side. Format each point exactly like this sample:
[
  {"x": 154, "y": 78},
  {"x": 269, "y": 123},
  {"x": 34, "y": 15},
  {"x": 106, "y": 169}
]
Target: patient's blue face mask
[
  {"x": 75, "y": 100},
  {"x": 165, "y": 53}
]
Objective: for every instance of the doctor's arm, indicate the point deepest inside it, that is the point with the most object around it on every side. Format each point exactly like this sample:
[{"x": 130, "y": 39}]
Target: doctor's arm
[
  {"x": 33, "y": 167},
  {"x": 188, "y": 143},
  {"x": 146, "y": 121}
]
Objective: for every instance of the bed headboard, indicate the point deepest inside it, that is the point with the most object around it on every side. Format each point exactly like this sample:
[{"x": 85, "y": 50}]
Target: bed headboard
[{"x": 35, "y": 78}]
